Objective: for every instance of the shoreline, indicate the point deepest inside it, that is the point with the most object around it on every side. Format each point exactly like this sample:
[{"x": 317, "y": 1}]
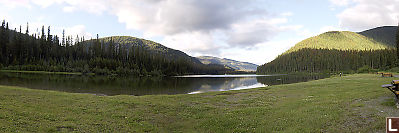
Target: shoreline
[{"x": 42, "y": 72}]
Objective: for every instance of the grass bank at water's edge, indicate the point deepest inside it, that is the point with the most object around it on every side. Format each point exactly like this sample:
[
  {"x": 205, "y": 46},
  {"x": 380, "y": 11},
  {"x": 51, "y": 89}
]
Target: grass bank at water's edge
[{"x": 353, "y": 103}]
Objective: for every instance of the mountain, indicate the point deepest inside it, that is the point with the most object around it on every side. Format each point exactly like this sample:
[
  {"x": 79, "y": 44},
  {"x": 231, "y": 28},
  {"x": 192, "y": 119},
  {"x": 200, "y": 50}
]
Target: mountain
[
  {"x": 384, "y": 34},
  {"x": 338, "y": 51},
  {"x": 128, "y": 42},
  {"x": 340, "y": 40},
  {"x": 236, "y": 65}
]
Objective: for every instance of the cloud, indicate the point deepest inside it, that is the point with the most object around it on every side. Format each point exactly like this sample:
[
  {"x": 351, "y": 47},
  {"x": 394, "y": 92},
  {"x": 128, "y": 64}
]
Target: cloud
[
  {"x": 36, "y": 27},
  {"x": 79, "y": 30},
  {"x": 262, "y": 52},
  {"x": 340, "y": 2},
  {"x": 69, "y": 9},
  {"x": 244, "y": 25},
  {"x": 196, "y": 43},
  {"x": 165, "y": 17},
  {"x": 366, "y": 14},
  {"x": 15, "y": 3},
  {"x": 250, "y": 33},
  {"x": 91, "y": 6},
  {"x": 45, "y": 3}
]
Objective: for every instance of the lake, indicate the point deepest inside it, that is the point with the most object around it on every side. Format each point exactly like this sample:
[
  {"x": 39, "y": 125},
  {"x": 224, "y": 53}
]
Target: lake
[{"x": 109, "y": 86}]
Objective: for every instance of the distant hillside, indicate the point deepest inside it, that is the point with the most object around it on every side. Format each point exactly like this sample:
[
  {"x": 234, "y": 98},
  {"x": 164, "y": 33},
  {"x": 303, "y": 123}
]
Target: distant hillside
[
  {"x": 237, "y": 65},
  {"x": 385, "y": 34},
  {"x": 340, "y": 40},
  {"x": 338, "y": 51},
  {"x": 128, "y": 42}
]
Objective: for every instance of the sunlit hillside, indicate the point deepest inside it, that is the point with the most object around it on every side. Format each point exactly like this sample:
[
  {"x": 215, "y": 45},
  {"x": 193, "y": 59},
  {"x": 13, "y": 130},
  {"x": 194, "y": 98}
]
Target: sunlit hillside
[{"x": 340, "y": 40}]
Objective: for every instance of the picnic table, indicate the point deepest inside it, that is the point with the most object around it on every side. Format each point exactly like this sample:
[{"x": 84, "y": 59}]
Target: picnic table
[
  {"x": 393, "y": 87},
  {"x": 386, "y": 74}
]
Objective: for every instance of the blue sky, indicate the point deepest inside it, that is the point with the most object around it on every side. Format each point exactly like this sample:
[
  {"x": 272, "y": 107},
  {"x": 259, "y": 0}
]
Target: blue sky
[{"x": 255, "y": 31}]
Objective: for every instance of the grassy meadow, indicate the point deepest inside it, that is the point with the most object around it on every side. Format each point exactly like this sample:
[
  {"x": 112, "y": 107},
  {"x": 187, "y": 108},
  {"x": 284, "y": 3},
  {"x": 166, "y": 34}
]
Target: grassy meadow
[{"x": 353, "y": 103}]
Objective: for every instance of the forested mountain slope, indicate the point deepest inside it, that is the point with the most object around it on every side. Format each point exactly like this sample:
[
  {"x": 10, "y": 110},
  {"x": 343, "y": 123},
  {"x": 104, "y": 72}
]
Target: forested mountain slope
[
  {"x": 237, "y": 65},
  {"x": 340, "y": 40},
  {"x": 127, "y": 42},
  {"x": 384, "y": 34},
  {"x": 338, "y": 51}
]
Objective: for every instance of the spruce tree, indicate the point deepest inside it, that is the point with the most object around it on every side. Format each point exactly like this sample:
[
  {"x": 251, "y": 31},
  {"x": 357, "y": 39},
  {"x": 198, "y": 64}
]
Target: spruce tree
[
  {"x": 397, "y": 41},
  {"x": 63, "y": 38},
  {"x": 27, "y": 29}
]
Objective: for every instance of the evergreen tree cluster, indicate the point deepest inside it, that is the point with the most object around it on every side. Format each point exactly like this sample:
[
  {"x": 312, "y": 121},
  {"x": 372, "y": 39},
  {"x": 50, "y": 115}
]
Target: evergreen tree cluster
[
  {"x": 325, "y": 60},
  {"x": 397, "y": 40},
  {"x": 46, "y": 52}
]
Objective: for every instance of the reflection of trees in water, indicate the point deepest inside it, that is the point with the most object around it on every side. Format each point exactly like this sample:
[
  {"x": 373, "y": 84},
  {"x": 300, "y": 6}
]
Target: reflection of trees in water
[
  {"x": 218, "y": 84},
  {"x": 139, "y": 86},
  {"x": 116, "y": 85},
  {"x": 287, "y": 79},
  {"x": 95, "y": 84}
]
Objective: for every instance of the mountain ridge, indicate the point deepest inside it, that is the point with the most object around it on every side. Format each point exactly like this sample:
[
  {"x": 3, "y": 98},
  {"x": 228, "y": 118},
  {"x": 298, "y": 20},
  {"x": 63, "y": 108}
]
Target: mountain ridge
[
  {"x": 129, "y": 41},
  {"x": 383, "y": 34},
  {"x": 237, "y": 65}
]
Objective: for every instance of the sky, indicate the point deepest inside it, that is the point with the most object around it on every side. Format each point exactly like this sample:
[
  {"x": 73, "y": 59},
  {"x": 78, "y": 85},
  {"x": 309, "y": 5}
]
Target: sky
[{"x": 255, "y": 31}]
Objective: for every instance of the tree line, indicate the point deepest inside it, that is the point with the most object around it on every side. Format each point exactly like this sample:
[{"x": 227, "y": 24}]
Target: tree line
[{"x": 46, "y": 52}]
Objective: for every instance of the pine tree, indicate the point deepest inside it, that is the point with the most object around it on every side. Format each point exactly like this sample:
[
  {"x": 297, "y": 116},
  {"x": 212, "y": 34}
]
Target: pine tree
[
  {"x": 42, "y": 44},
  {"x": 2, "y": 39},
  {"x": 27, "y": 28},
  {"x": 63, "y": 38},
  {"x": 397, "y": 41}
]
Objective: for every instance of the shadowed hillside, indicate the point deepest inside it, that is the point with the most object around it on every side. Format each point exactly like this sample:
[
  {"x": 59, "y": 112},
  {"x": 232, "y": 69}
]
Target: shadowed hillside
[{"x": 385, "y": 34}]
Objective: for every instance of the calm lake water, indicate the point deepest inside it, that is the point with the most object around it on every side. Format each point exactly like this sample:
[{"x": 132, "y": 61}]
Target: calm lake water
[{"x": 191, "y": 84}]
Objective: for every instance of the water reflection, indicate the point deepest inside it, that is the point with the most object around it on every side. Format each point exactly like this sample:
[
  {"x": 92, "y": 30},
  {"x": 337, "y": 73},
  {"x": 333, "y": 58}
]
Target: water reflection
[
  {"x": 288, "y": 79},
  {"x": 102, "y": 85},
  {"x": 225, "y": 84}
]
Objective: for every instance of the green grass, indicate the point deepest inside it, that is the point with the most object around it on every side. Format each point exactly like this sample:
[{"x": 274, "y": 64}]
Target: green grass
[
  {"x": 340, "y": 40},
  {"x": 354, "y": 103},
  {"x": 42, "y": 72}
]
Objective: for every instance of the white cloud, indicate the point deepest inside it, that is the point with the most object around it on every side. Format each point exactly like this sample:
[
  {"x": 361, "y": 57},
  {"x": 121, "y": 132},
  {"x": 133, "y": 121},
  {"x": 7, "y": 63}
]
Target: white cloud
[
  {"x": 250, "y": 33},
  {"x": 165, "y": 17},
  {"x": 79, "y": 30},
  {"x": 340, "y": 2},
  {"x": 15, "y": 3},
  {"x": 44, "y": 3},
  {"x": 91, "y": 6},
  {"x": 36, "y": 28},
  {"x": 262, "y": 52},
  {"x": 195, "y": 43},
  {"x": 366, "y": 14},
  {"x": 69, "y": 9}
]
